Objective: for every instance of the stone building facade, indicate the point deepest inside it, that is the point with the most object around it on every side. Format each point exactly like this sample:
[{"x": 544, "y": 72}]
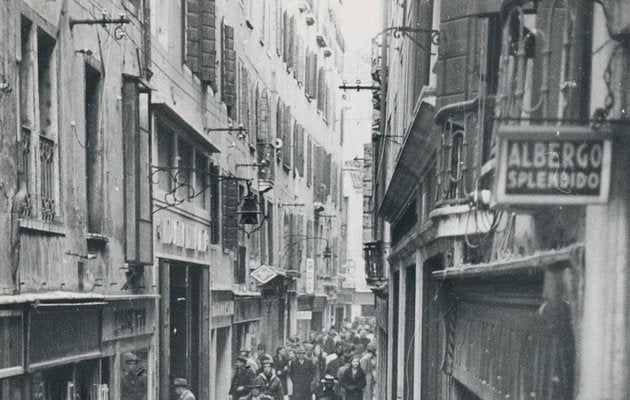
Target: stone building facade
[
  {"x": 495, "y": 288},
  {"x": 133, "y": 134}
]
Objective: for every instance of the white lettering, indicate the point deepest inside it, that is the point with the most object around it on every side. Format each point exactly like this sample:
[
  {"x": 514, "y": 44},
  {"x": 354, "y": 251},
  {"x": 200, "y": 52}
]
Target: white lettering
[
  {"x": 596, "y": 155},
  {"x": 582, "y": 157},
  {"x": 568, "y": 151},
  {"x": 539, "y": 155},
  {"x": 515, "y": 157}
]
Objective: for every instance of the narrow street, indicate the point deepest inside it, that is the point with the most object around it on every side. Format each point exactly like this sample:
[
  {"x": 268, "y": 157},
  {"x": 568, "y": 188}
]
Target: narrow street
[{"x": 314, "y": 199}]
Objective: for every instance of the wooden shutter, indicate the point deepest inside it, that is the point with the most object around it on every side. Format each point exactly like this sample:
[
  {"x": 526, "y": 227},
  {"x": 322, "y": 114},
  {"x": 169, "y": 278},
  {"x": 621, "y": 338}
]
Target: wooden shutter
[
  {"x": 309, "y": 161},
  {"x": 244, "y": 99},
  {"x": 208, "y": 42},
  {"x": 286, "y": 139},
  {"x": 301, "y": 60},
  {"x": 334, "y": 182},
  {"x": 321, "y": 90},
  {"x": 229, "y": 71},
  {"x": 319, "y": 174},
  {"x": 230, "y": 197},
  {"x": 312, "y": 79},
  {"x": 452, "y": 60},
  {"x": 215, "y": 204},
  {"x": 291, "y": 45},
  {"x": 192, "y": 34},
  {"x": 264, "y": 146},
  {"x": 298, "y": 152},
  {"x": 285, "y": 37},
  {"x": 280, "y": 128},
  {"x": 279, "y": 37},
  {"x": 327, "y": 172},
  {"x": 136, "y": 160}
]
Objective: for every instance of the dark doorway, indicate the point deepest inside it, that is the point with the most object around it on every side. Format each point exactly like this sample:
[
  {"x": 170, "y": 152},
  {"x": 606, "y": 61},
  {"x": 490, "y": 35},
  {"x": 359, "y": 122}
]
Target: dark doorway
[
  {"x": 395, "y": 321},
  {"x": 185, "y": 316}
]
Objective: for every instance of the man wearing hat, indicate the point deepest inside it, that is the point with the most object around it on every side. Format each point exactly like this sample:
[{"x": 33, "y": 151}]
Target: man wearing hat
[
  {"x": 269, "y": 382},
  {"x": 181, "y": 388},
  {"x": 243, "y": 377},
  {"x": 262, "y": 356},
  {"x": 251, "y": 362},
  {"x": 302, "y": 373},
  {"x": 326, "y": 390},
  {"x": 368, "y": 364}
]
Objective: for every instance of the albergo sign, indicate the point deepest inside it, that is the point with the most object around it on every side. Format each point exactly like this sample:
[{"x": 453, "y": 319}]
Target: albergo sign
[{"x": 553, "y": 165}]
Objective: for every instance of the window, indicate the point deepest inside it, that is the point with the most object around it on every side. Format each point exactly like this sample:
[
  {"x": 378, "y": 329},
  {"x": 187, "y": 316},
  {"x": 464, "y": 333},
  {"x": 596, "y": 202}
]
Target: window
[
  {"x": 202, "y": 180},
  {"x": 165, "y": 145},
  {"x": 228, "y": 70},
  {"x": 287, "y": 141},
  {"x": 321, "y": 91},
  {"x": 280, "y": 128},
  {"x": 269, "y": 223},
  {"x": 230, "y": 194},
  {"x": 310, "y": 84},
  {"x": 184, "y": 169},
  {"x": 279, "y": 33},
  {"x": 200, "y": 39},
  {"x": 299, "y": 150},
  {"x": 93, "y": 150},
  {"x": 309, "y": 161},
  {"x": 38, "y": 115}
]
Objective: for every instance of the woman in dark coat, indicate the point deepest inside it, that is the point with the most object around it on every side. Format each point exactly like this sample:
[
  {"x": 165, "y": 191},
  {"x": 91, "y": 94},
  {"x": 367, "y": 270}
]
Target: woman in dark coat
[{"x": 353, "y": 380}]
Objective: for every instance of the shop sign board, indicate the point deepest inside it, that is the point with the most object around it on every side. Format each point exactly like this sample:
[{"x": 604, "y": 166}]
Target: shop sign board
[
  {"x": 264, "y": 274},
  {"x": 553, "y": 165},
  {"x": 310, "y": 276},
  {"x": 127, "y": 319}
]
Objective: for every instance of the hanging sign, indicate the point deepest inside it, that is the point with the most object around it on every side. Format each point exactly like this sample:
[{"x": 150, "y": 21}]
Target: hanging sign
[
  {"x": 310, "y": 276},
  {"x": 263, "y": 274},
  {"x": 553, "y": 165}
]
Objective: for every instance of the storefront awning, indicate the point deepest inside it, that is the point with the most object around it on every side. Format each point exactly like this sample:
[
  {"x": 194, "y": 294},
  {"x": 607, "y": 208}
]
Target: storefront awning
[
  {"x": 423, "y": 135},
  {"x": 54, "y": 296},
  {"x": 164, "y": 110}
]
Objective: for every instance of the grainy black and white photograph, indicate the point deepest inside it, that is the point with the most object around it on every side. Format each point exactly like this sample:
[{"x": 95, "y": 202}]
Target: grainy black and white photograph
[{"x": 314, "y": 200}]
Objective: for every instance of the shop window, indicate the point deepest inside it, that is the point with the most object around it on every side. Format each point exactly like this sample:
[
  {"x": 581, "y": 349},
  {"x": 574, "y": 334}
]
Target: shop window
[
  {"x": 38, "y": 115},
  {"x": 11, "y": 389},
  {"x": 201, "y": 180},
  {"x": 134, "y": 376},
  {"x": 93, "y": 150}
]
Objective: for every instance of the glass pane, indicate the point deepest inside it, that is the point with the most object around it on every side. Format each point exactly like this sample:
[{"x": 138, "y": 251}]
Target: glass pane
[{"x": 134, "y": 378}]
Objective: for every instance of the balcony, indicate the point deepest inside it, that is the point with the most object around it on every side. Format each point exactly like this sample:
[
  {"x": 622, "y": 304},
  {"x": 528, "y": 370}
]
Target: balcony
[{"x": 374, "y": 270}]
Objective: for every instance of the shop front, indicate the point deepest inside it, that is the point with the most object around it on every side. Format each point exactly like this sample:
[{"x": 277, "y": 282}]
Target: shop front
[
  {"x": 52, "y": 350},
  {"x": 245, "y": 328},
  {"x": 304, "y": 315},
  {"x": 183, "y": 254},
  {"x": 222, "y": 311},
  {"x": 129, "y": 347}
]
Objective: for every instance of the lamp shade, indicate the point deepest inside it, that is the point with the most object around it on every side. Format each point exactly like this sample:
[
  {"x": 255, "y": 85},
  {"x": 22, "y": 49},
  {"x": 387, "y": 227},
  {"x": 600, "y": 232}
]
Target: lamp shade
[{"x": 249, "y": 211}]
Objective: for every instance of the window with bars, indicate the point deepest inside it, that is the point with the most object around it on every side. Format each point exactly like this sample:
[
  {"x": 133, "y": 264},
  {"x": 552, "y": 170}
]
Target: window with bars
[{"x": 39, "y": 127}]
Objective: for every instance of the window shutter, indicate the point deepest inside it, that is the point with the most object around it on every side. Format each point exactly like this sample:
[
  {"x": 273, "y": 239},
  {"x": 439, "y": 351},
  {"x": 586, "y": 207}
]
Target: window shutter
[
  {"x": 291, "y": 43},
  {"x": 208, "y": 42},
  {"x": 298, "y": 152},
  {"x": 321, "y": 90},
  {"x": 327, "y": 173},
  {"x": 230, "y": 197},
  {"x": 334, "y": 182},
  {"x": 452, "y": 61},
  {"x": 192, "y": 34},
  {"x": 285, "y": 37},
  {"x": 319, "y": 171},
  {"x": 215, "y": 204},
  {"x": 279, "y": 128},
  {"x": 264, "y": 146},
  {"x": 301, "y": 60},
  {"x": 313, "y": 77},
  {"x": 229, "y": 71},
  {"x": 287, "y": 142},
  {"x": 279, "y": 27},
  {"x": 244, "y": 99},
  {"x": 136, "y": 160},
  {"x": 309, "y": 162}
]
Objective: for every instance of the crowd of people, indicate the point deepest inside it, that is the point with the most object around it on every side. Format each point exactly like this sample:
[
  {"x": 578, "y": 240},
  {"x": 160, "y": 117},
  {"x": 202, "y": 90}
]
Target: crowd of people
[{"x": 330, "y": 365}]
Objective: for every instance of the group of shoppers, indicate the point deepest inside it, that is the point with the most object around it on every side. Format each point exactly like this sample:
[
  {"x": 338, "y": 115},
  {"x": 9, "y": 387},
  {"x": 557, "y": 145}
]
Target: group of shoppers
[{"x": 326, "y": 366}]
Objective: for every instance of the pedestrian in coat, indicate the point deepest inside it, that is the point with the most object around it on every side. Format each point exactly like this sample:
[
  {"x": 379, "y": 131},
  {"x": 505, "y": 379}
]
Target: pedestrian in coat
[
  {"x": 302, "y": 373},
  {"x": 353, "y": 380},
  {"x": 367, "y": 364},
  {"x": 282, "y": 367},
  {"x": 319, "y": 360},
  {"x": 242, "y": 379},
  {"x": 269, "y": 382},
  {"x": 329, "y": 342},
  {"x": 181, "y": 389}
]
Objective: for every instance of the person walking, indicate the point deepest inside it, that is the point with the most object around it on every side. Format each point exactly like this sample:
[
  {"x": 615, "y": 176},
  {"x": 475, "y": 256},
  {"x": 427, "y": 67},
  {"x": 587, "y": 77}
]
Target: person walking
[
  {"x": 368, "y": 364},
  {"x": 182, "y": 390},
  {"x": 255, "y": 394},
  {"x": 262, "y": 356},
  {"x": 329, "y": 341},
  {"x": 326, "y": 389},
  {"x": 243, "y": 378},
  {"x": 269, "y": 382},
  {"x": 319, "y": 360},
  {"x": 302, "y": 373},
  {"x": 282, "y": 367},
  {"x": 353, "y": 380}
]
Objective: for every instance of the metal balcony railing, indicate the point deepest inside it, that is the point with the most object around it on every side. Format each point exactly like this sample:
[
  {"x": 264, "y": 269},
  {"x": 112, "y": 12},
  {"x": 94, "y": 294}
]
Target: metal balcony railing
[{"x": 373, "y": 255}]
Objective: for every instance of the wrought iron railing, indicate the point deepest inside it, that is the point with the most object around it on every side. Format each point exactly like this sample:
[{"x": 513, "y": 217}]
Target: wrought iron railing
[
  {"x": 373, "y": 255},
  {"x": 47, "y": 194}
]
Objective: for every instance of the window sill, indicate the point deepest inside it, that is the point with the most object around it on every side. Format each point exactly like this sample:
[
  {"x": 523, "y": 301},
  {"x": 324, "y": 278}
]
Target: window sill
[{"x": 51, "y": 228}]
